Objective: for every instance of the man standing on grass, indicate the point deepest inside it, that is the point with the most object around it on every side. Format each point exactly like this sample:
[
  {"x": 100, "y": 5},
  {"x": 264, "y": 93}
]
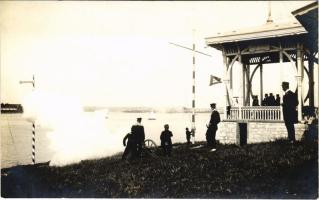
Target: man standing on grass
[
  {"x": 138, "y": 131},
  {"x": 212, "y": 127},
  {"x": 188, "y": 136},
  {"x": 290, "y": 102},
  {"x": 166, "y": 141}
]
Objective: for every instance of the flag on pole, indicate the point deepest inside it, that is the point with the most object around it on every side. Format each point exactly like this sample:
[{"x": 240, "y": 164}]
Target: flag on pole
[{"x": 214, "y": 80}]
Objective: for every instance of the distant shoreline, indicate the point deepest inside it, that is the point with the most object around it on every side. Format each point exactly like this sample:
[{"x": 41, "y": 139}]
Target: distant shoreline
[
  {"x": 11, "y": 108},
  {"x": 149, "y": 109}
]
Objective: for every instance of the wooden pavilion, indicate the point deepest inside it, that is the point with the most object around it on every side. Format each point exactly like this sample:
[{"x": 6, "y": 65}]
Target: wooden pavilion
[{"x": 253, "y": 48}]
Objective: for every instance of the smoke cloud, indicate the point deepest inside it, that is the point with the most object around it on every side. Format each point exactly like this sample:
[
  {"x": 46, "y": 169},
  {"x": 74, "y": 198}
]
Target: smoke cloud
[{"x": 74, "y": 134}]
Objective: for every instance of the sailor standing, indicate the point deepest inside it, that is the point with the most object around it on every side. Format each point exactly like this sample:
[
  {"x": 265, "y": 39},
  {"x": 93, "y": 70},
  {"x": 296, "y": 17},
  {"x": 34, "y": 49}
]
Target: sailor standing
[
  {"x": 138, "y": 132},
  {"x": 212, "y": 127}
]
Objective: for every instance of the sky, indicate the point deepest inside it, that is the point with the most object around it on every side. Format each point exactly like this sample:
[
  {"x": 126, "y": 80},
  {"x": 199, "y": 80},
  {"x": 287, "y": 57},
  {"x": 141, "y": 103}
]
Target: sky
[{"x": 118, "y": 53}]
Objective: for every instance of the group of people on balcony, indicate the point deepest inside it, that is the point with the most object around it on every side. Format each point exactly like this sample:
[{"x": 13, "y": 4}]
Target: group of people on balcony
[{"x": 269, "y": 100}]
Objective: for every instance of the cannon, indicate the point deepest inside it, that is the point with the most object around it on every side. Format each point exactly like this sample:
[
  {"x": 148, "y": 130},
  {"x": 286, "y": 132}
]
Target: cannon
[{"x": 149, "y": 148}]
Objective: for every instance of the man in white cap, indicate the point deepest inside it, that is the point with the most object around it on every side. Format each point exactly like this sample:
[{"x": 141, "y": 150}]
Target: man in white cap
[{"x": 290, "y": 102}]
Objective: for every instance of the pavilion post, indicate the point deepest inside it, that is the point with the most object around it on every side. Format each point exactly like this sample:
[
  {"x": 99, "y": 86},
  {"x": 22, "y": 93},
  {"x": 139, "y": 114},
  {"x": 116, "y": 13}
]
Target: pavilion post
[
  {"x": 299, "y": 79},
  {"x": 242, "y": 81},
  {"x": 244, "y": 84},
  {"x": 226, "y": 81},
  {"x": 281, "y": 58},
  {"x": 261, "y": 84},
  {"x": 231, "y": 78},
  {"x": 311, "y": 81},
  {"x": 247, "y": 85}
]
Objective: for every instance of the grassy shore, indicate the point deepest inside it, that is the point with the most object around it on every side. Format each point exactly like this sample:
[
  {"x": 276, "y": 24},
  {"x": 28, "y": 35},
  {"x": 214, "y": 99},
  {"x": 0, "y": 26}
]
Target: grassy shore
[{"x": 266, "y": 170}]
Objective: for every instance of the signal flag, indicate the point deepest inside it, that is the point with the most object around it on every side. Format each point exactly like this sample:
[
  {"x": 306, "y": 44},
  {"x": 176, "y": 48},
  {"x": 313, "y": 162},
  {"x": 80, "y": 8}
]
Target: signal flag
[{"x": 214, "y": 80}]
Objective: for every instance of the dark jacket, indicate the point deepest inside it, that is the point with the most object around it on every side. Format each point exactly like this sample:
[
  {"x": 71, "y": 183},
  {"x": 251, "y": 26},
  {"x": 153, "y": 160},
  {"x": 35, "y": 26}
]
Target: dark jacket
[
  {"x": 166, "y": 137},
  {"x": 188, "y": 134},
  {"x": 290, "y": 102},
  {"x": 138, "y": 131},
  {"x": 277, "y": 101},
  {"x": 214, "y": 119},
  {"x": 130, "y": 139},
  {"x": 255, "y": 102},
  {"x": 271, "y": 100}
]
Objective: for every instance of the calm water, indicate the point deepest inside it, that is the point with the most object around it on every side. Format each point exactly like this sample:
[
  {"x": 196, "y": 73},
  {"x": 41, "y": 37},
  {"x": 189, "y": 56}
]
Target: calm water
[{"x": 16, "y": 133}]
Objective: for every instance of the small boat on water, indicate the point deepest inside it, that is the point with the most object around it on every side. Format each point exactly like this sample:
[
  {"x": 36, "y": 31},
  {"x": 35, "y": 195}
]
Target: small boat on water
[
  {"x": 103, "y": 113},
  {"x": 151, "y": 116}
]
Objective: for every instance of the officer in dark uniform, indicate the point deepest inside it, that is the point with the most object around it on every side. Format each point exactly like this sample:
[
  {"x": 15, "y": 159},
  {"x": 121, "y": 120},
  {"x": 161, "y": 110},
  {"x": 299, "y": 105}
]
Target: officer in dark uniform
[
  {"x": 138, "y": 131},
  {"x": 212, "y": 127},
  {"x": 290, "y": 102},
  {"x": 166, "y": 142}
]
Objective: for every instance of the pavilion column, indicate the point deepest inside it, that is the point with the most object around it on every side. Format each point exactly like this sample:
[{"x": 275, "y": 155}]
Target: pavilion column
[
  {"x": 242, "y": 82},
  {"x": 261, "y": 84},
  {"x": 231, "y": 78},
  {"x": 299, "y": 79},
  {"x": 311, "y": 82},
  {"x": 247, "y": 84},
  {"x": 226, "y": 82},
  {"x": 281, "y": 58}
]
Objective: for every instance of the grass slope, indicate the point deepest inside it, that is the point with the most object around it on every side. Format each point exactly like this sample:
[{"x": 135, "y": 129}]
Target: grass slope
[{"x": 266, "y": 170}]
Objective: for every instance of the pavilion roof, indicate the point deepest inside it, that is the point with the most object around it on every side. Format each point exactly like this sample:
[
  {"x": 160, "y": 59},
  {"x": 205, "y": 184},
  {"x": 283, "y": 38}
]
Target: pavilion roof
[
  {"x": 306, "y": 9},
  {"x": 308, "y": 17},
  {"x": 268, "y": 30}
]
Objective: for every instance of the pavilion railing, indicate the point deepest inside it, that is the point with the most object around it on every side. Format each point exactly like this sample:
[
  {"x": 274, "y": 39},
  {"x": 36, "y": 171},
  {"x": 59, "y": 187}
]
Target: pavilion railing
[{"x": 255, "y": 113}]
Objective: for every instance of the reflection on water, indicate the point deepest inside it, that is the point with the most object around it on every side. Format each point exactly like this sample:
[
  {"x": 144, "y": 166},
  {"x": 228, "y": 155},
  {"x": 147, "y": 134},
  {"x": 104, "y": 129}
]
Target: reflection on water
[{"x": 16, "y": 133}]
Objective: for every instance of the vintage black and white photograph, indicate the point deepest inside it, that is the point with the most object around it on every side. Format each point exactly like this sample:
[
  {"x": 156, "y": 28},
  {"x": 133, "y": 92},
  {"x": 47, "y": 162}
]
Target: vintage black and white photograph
[{"x": 159, "y": 99}]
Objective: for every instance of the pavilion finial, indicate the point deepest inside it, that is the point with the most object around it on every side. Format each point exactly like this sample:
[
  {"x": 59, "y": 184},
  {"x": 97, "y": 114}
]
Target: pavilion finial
[{"x": 269, "y": 20}]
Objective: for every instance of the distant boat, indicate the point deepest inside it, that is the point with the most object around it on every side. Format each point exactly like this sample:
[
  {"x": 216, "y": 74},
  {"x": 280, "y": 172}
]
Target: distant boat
[
  {"x": 103, "y": 113},
  {"x": 151, "y": 116}
]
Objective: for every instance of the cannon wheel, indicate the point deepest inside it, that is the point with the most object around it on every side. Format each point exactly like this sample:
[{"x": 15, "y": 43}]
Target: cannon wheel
[
  {"x": 150, "y": 148},
  {"x": 150, "y": 144}
]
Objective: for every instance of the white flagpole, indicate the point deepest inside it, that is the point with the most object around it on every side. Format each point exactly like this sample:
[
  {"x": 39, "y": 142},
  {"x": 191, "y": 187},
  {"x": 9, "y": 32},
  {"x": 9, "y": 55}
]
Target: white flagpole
[
  {"x": 193, "y": 90},
  {"x": 33, "y": 124},
  {"x": 193, "y": 129}
]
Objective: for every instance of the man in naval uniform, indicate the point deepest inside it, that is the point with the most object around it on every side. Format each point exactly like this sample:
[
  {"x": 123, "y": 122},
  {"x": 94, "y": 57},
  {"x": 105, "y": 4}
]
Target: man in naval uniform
[
  {"x": 138, "y": 132},
  {"x": 212, "y": 127}
]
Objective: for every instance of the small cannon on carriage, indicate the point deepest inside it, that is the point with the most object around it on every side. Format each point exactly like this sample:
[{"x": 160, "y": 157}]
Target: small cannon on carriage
[
  {"x": 148, "y": 148},
  {"x": 137, "y": 146},
  {"x": 149, "y": 144}
]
